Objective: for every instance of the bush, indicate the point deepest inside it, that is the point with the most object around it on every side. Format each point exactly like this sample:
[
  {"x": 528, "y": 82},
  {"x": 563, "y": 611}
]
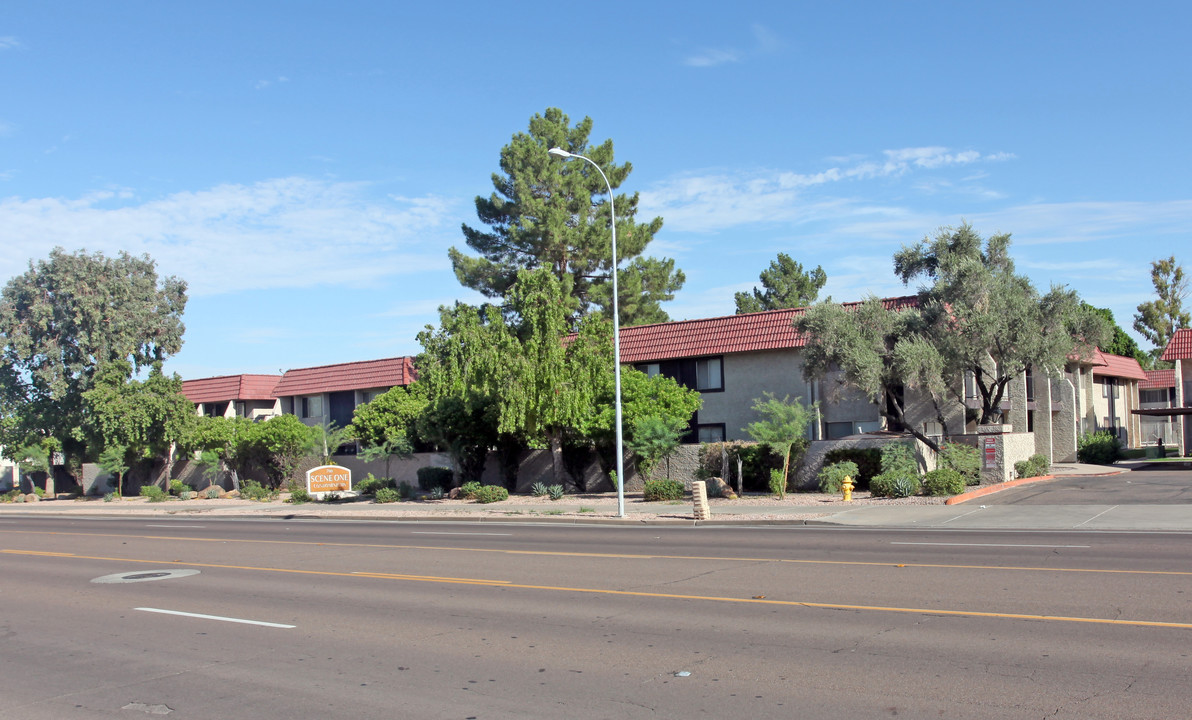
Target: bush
[
  {"x": 386, "y": 495},
  {"x": 154, "y": 493},
  {"x": 405, "y": 490},
  {"x": 899, "y": 457},
  {"x": 867, "y": 460},
  {"x": 555, "y": 492},
  {"x": 539, "y": 489},
  {"x": 110, "y": 497},
  {"x": 943, "y": 481},
  {"x": 371, "y": 484},
  {"x": 186, "y": 494},
  {"x": 469, "y": 489},
  {"x": 298, "y": 496},
  {"x": 777, "y": 483},
  {"x": 437, "y": 493},
  {"x": 662, "y": 490},
  {"x": 253, "y": 490},
  {"x": 1036, "y": 466},
  {"x": 177, "y": 487},
  {"x": 1098, "y": 448},
  {"x": 491, "y": 494},
  {"x": 39, "y": 491},
  {"x": 10, "y": 496},
  {"x": 964, "y": 459},
  {"x": 831, "y": 477},
  {"x": 213, "y": 492},
  {"x": 894, "y": 485},
  {"x": 430, "y": 477},
  {"x": 757, "y": 460}
]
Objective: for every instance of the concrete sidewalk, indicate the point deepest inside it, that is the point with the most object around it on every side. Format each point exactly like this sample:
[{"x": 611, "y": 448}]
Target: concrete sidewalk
[{"x": 967, "y": 512}]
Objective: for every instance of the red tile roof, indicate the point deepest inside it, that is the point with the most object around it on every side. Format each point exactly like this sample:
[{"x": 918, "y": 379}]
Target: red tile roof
[
  {"x": 769, "y": 330},
  {"x": 1180, "y": 346},
  {"x": 1158, "y": 379},
  {"x": 230, "y": 387},
  {"x": 1118, "y": 366},
  {"x": 384, "y": 373}
]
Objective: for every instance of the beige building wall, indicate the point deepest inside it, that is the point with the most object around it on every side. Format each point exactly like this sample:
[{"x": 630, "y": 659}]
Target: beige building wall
[{"x": 747, "y": 377}]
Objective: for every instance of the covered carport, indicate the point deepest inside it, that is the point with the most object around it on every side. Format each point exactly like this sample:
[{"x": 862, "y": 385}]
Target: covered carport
[{"x": 1172, "y": 412}]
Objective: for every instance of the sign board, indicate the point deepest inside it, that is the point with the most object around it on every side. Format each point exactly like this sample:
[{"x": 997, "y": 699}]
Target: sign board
[
  {"x": 328, "y": 478},
  {"x": 990, "y": 453}
]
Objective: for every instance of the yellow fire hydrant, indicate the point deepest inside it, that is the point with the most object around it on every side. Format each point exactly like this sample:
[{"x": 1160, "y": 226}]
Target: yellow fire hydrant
[{"x": 847, "y": 487}]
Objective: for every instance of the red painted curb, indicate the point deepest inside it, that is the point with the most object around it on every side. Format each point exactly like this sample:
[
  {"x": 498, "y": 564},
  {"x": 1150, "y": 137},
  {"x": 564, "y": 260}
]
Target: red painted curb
[{"x": 990, "y": 489}]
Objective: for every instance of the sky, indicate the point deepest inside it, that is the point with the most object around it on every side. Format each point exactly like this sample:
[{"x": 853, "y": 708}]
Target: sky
[{"x": 305, "y": 166}]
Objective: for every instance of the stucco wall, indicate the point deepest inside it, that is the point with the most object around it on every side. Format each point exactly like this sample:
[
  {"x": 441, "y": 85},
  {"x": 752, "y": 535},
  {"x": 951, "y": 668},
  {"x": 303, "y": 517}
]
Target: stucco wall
[{"x": 747, "y": 377}]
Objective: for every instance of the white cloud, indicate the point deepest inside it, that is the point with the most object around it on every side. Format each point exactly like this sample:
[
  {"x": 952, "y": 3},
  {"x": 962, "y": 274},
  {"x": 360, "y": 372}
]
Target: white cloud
[
  {"x": 712, "y": 58},
  {"x": 287, "y": 232},
  {"x": 715, "y": 201},
  {"x": 767, "y": 41},
  {"x": 8, "y": 42}
]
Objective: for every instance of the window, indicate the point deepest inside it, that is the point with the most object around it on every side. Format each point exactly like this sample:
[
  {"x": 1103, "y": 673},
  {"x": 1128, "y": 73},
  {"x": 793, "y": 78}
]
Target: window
[
  {"x": 650, "y": 369},
  {"x": 707, "y": 374},
  {"x": 970, "y": 385},
  {"x": 1030, "y": 386},
  {"x": 1105, "y": 389},
  {"x": 312, "y": 406},
  {"x": 1152, "y": 396},
  {"x": 712, "y": 432},
  {"x": 837, "y": 430},
  {"x": 1030, "y": 420}
]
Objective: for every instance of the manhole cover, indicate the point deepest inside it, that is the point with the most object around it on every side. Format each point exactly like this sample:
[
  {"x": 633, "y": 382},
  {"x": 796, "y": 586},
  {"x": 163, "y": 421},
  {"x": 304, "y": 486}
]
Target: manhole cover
[{"x": 132, "y": 577}]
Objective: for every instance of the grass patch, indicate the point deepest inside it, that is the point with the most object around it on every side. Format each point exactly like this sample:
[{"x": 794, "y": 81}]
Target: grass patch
[{"x": 587, "y": 510}]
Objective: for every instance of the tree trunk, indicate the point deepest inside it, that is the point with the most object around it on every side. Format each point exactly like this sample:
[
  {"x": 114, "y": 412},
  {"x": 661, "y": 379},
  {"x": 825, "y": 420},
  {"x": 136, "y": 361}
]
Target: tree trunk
[{"x": 556, "y": 455}]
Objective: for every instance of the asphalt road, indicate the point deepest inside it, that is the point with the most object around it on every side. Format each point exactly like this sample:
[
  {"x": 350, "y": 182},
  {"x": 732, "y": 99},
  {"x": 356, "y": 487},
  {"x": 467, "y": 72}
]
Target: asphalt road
[
  {"x": 1145, "y": 486},
  {"x": 439, "y": 620}
]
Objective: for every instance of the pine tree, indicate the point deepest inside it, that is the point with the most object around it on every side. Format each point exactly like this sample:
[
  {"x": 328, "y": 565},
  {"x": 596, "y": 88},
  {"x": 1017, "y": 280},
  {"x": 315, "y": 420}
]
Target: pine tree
[{"x": 787, "y": 285}]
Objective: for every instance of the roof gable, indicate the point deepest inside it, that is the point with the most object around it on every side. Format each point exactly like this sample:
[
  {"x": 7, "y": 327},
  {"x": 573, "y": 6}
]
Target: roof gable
[
  {"x": 384, "y": 373},
  {"x": 1118, "y": 366},
  {"x": 226, "y": 388},
  {"x": 1158, "y": 380},
  {"x": 750, "y": 332},
  {"x": 1180, "y": 346}
]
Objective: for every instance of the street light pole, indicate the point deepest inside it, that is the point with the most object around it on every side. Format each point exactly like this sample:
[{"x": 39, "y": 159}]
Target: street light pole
[{"x": 560, "y": 152}]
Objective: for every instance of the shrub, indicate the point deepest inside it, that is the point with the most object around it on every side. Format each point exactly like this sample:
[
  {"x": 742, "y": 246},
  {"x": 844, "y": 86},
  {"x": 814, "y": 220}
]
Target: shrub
[
  {"x": 1036, "y": 466},
  {"x": 177, "y": 487},
  {"x": 430, "y": 476},
  {"x": 371, "y": 484},
  {"x": 10, "y": 496},
  {"x": 1098, "y": 448},
  {"x": 894, "y": 485},
  {"x": 777, "y": 483},
  {"x": 298, "y": 496},
  {"x": 899, "y": 457},
  {"x": 110, "y": 497},
  {"x": 757, "y": 460},
  {"x": 39, "y": 491},
  {"x": 213, "y": 492},
  {"x": 964, "y": 459},
  {"x": 491, "y": 494},
  {"x": 538, "y": 489},
  {"x": 831, "y": 477},
  {"x": 943, "y": 481},
  {"x": 661, "y": 490},
  {"x": 437, "y": 493},
  {"x": 253, "y": 490},
  {"x": 405, "y": 490},
  {"x": 154, "y": 493},
  {"x": 468, "y": 490},
  {"x": 867, "y": 460},
  {"x": 555, "y": 492},
  {"x": 386, "y": 495},
  {"x": 187, "y": 494}
]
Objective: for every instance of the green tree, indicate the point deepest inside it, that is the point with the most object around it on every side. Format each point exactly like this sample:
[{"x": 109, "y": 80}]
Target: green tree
[
  {"x": 653, "y": 439},
  {"x": 326, "y": 438},
  {"x": 222, "y": 444},
  {"x": 1120, "y": 343},
  {"x": 786, "y": 285},
  {"x": 642, "y": 397},
  {"x": 67, "y": 317},
  {"x": 547, "y": 213},
  {"x": 984, "y": 319},
  {"x": 278, "y": 445},
  {"x": 1158, "y": 319},
  {"x": 783, "y": 423},
  {"x": 387, "y": 426},
  {"x": 146, "y": 418}
]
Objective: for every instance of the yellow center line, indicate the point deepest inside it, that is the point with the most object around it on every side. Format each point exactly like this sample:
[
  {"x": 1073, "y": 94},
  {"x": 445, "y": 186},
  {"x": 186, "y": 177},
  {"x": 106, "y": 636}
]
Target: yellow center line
[
  {"x": 637, "y": 593},
  {"x": 614, "y": 556}
]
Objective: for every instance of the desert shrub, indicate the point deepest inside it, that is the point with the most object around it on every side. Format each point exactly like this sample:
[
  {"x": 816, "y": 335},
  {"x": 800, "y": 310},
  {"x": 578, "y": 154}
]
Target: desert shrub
[
  {"x": 371, "y": 484},
  {"x": 539, "y": 489},
  {"x": 468, "y": 489},
  {"x": 177, "y": 487},
  {"x": 555, "y": 492},
  {"x": 757, "y": 460},
  {"x": 430, "y": 476},
  {"x": 661, "y": 490},
  {"x": 437, "y": 493},
  {"x": 867, "y": 460},
  {"x": 491, "y": 494},
  {"x": 39, "y": 491},
  {"x": 405, "y": 490},
  {"x": 964, "y": 459},
  {"x": 110, "y": 497},
  {"x": 187, "y": 494},
  {"x": 154, "y": 493},
  {"x": 253, "y": 490},
  {"x": 386, "y": 495},
  {"x": 899, "y": 457},
  {"x": 10, "y": 496},
  {"x": 1036, "y": 466},
  {"x": 943, "y": 481},
  {"x": 298, "y": 496},
  {"x": 894, "y": 485},
  {"x": 1098, "y": 448},
  {"x": 213, "y": 492},
  {"x": 831, "y": 477},
  {"x": 777, "y": 483}
]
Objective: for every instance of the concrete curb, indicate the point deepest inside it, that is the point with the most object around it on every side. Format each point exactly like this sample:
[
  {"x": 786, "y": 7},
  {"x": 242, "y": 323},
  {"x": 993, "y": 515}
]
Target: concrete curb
[{"x": 990, "y": 489}]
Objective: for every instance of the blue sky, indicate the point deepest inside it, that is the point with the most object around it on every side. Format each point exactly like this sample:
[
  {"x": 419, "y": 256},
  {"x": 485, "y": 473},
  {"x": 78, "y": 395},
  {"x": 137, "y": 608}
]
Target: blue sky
[{"x": 306, "y": 165}]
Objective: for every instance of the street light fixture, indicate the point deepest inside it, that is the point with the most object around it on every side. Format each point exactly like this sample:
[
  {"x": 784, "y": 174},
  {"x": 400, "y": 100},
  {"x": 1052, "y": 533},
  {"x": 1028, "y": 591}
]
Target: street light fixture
[{"x": 560, "y": 152}]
